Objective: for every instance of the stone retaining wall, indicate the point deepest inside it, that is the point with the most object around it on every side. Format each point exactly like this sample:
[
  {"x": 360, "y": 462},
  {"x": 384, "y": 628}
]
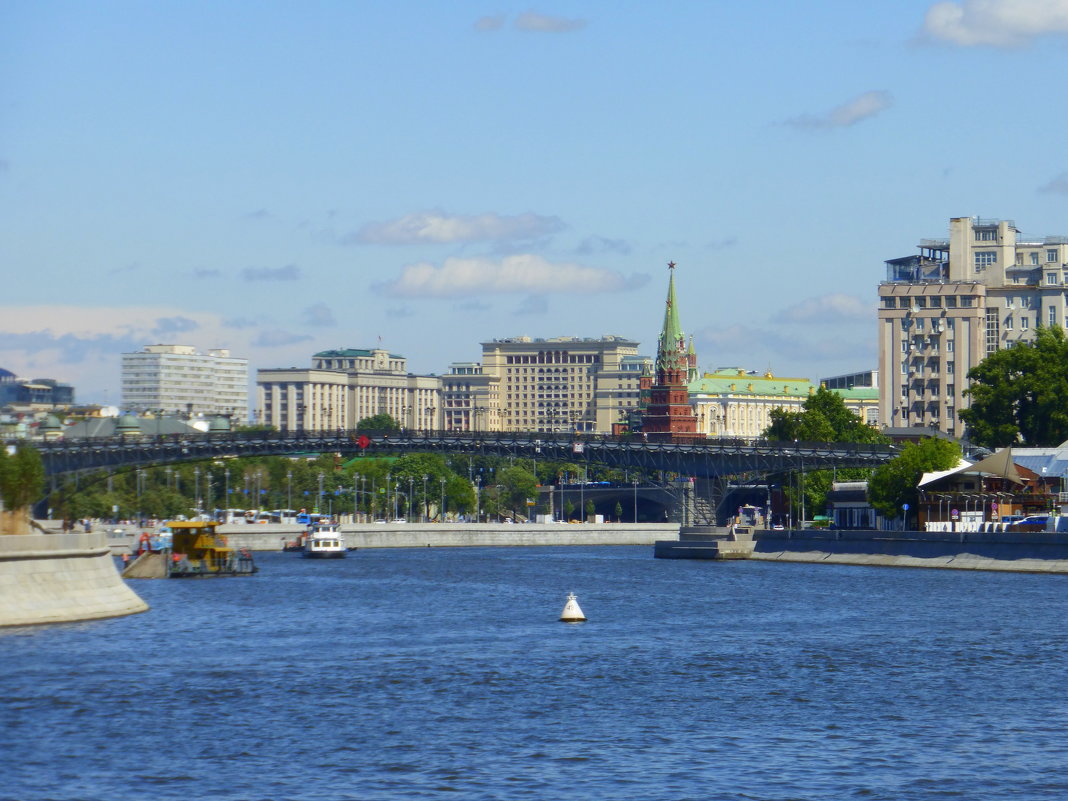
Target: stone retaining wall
[
  {"x": 61, "y": 578},
  {"x": 459, "y": 535},
  {"x": 1029, "y": 552}
]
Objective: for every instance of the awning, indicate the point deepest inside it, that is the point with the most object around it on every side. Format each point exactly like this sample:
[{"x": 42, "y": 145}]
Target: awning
[{"x": 999, "y": 464}]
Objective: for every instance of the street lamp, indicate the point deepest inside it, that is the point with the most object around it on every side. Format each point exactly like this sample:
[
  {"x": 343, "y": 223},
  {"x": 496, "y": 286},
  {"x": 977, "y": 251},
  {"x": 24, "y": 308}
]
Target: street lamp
[
  {"x": 408, "y": 510},
  {"x": 441, "y": 510},
  {"x": 635, "y": 483},
  {"x": 289, "y": 490},
  {"x": 426, "y": 504},
  {"x": 478, "y": 499}
]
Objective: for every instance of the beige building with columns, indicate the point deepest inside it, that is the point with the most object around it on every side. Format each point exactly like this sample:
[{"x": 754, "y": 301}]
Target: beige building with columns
[
  {"x": 961, "y": 298},
  {"x": 344, "y": 387}
]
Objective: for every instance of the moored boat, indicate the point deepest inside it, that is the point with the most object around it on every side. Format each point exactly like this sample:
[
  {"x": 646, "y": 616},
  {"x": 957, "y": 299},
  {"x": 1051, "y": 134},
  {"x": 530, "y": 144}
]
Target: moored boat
[{"x": 323, "y": 541}]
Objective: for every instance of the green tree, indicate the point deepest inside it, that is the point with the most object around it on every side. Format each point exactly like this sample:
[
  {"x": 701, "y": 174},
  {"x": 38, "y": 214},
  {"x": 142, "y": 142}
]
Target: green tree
[
  {"x": 22, "y": 477},
  {"x": 591, "y": 509},
  {"x": 378, "y": 423},
  {"x": 894, "y": 484},
  {"x": 1021, "y": 393},
  {"x": 517, "y": 485}
]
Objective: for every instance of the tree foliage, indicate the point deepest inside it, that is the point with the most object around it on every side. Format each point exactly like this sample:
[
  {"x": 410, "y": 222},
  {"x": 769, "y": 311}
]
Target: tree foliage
[
  {"x": 823, "y": 418},
  {"x": 1021, "y": 394},
  {"x": 22, "y": 477},
  {"x": 378, "y": 423},
  {"x": 894, "y": 484}
]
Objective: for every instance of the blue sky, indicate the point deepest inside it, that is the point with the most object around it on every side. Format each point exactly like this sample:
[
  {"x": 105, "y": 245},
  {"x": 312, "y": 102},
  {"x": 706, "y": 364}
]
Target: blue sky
[{"x": 279, "y": 178}]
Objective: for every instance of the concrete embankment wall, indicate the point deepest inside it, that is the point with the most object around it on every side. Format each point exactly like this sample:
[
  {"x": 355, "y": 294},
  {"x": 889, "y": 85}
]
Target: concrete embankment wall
[
  {"x": 459, "y": 535},
  {"x": 61, "y": 578},
  {"x": 1030, "y": 552}
]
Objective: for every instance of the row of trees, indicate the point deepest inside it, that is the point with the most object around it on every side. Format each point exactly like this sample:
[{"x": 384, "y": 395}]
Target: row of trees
[{"x": 414, "y": 485}]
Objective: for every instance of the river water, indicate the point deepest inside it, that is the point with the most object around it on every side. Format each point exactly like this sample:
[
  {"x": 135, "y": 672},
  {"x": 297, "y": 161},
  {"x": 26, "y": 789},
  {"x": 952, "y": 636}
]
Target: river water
[{"x": 444, "y": 673}]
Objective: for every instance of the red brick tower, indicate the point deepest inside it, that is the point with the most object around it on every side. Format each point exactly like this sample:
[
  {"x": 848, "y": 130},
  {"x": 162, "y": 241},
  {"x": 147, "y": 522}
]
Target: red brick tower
[{"x": 669, "y": 417}]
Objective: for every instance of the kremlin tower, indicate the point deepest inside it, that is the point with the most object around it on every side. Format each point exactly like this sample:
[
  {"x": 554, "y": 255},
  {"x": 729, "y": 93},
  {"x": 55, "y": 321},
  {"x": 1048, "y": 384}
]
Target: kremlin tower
[{"x": 668, "y": 416}]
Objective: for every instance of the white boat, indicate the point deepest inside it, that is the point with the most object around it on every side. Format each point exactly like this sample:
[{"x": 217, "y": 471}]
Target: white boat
[{"x": 324, "y": 542}]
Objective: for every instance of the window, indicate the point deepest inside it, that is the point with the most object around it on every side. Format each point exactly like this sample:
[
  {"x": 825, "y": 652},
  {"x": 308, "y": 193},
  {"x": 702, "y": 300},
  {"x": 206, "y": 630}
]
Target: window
[
  {"x": 1051, "y": 279},
  {"x": 1025, "y": 323},
  {"x": 890, "y": 303},
  {"x": 1034, "y": 257},
  {"x": 949, "y": 346},
  {"x": 921, "y": 302},
  {"x": 1051, "y": 256},
  {"x": 986, "y": 258},
  {"x": 919, "y": 323},
  {"x": 949, "y": 366},
  {"x": 936, "y": 302},
  {"x": 966, "y": 301},
  {"x": 1008, "y": 323},
  {"x": 986, "y": 234},
  {"x": 1052, "y": 316}
]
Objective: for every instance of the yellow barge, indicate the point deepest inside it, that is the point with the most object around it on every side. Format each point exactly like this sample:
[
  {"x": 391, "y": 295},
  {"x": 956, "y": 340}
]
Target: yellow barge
[{"x": 196, "y": 550}]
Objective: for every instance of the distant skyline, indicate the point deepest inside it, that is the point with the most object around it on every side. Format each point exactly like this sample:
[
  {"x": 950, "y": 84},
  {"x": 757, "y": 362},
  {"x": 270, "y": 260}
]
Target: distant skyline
[{"x": 280, "y": 179}]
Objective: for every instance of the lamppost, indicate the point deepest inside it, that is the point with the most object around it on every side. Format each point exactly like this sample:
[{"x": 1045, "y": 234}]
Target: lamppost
[
  {"x": 196, "y": 490},
  {"x": 363, "y": 487},
  {"x": 635, "y": 483},
  {"x": 478, "y": 499},
  {"x": 408, "y": 510},
  {"x": 319, "y": 498},
  {"x": 582, "y": 497},
  {"x": 355, "y": 497},
  {"x": 426, "y": 503},
  {"x": 441, "y": 510},
  {"x": 289, "y": 489},
  {"x": 389, "y": 505},
  {"x": 226, "y": 492}
]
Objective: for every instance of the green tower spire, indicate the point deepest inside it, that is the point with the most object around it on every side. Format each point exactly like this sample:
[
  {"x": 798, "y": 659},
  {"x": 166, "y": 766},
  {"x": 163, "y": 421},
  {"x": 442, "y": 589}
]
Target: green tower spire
[{"x": 671, "y": 348}]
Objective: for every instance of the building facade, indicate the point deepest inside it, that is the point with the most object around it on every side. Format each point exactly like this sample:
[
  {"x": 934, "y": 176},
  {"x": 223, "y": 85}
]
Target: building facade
[
  {"x": 961, "y": 298},
  {"x": 178, "y": 379},
  {"x": 734, "y": 402},
  {"x": 559, "y": 384},
  {"x": 344, "y": 387}
]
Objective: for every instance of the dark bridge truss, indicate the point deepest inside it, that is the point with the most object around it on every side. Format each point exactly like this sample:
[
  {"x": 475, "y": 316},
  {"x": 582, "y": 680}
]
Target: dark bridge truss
[{"x": 707, "y": 459}]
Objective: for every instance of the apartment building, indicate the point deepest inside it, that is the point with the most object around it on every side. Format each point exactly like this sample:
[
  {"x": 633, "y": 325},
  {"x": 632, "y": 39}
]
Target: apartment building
[
  {"x": 179, "y": 379},
  {"x": 344, "y": 387},
  {"x": 959, "y": 299}
]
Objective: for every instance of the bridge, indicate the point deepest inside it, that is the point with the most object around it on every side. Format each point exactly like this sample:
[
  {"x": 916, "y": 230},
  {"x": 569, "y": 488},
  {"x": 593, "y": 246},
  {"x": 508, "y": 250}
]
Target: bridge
[{"x": 706, "y": 459}]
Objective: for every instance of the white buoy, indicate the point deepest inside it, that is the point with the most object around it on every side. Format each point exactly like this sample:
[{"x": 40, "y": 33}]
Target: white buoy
[{"x": 572, "y": 613}]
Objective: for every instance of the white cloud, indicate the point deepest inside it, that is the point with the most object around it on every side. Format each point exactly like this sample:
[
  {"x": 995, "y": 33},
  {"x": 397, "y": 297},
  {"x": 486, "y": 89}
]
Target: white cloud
[
  {"x": 524, "y": 273},
  {"x": 849, "y": 113},
  {"x": 83, "y": 346},
  {"x": 489, "y": 24},
  {"x": 438, "y": 228},
  {"x": 533, "y": 304},
  {"x": 318, "y": 314},
  {"x": 277, "y": 338},
  {"x": 995, "y": 23},
  {"x": 290, "y": 272},
  {"x": 543, "y": 23},
  {"x": 831, "y": 308},
  {"x": 1058, "y": 185}
]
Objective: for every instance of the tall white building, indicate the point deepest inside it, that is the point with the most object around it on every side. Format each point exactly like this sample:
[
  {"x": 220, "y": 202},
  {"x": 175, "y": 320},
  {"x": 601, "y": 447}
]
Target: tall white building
[
  {"x": 961, "y": 298},
  {"x": 178, "y": 379}
]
